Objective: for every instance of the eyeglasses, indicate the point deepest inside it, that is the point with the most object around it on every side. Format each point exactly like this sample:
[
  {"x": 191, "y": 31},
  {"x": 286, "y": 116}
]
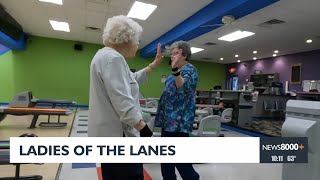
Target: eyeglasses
[{"x": 175, "y": 52}]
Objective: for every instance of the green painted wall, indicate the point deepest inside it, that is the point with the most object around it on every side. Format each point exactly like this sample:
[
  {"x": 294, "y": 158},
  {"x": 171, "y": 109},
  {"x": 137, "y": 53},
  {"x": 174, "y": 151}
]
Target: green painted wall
[
  {"x": 6, "y": 77},
  {"x": 51, "y": 68},
  {"x": 153, "y": 86},
  {"x": 210, "y": 74}
]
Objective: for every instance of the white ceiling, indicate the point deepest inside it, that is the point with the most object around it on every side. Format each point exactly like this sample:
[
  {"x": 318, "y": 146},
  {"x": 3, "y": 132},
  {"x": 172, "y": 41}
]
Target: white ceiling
[
  {"x": 301, "y": 17},
  {"x": 301, "y": 22},
  {"x": 34, "y": 16}
]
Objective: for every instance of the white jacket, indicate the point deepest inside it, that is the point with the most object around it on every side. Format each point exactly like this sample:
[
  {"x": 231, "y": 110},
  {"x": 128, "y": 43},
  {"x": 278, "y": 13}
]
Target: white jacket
[{"x": 114, "y": 96}]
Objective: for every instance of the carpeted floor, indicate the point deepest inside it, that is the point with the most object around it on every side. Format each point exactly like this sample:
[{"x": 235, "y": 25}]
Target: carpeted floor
[{"x": 268, "y": 127}]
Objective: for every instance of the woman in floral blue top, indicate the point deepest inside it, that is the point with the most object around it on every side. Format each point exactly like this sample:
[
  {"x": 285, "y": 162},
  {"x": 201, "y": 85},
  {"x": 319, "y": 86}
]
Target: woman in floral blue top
[{"x": 177, "y": 106}]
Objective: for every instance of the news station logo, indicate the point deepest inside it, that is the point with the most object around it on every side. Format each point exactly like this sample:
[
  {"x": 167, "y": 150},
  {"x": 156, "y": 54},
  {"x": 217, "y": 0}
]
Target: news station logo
[{"x": 284, "y": 150}]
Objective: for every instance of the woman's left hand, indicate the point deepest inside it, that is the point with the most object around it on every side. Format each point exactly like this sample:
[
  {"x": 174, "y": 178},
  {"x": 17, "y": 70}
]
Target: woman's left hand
[{"x": 158, "y": 58}]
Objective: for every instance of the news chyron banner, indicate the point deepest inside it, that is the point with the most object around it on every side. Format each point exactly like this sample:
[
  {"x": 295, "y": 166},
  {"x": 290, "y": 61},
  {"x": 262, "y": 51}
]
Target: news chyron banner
[{"x": 157, "y": 150}]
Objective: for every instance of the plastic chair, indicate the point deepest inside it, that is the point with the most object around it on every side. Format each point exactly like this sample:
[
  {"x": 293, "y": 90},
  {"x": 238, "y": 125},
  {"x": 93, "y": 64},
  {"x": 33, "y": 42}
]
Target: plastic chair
[
  {"x": 151, "y": 104},
  {"x": 199, "y": 117},
  {"x": 209, "y": 110},
  {"x": 226, "y": 115},
  {"x": 209, "y": 127}
]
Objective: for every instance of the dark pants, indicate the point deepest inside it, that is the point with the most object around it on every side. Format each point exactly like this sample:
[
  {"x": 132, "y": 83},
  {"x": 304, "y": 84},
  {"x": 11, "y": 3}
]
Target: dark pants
[
  {"x": 185, "y": 169},
  {"x": 122, "y": 171}
]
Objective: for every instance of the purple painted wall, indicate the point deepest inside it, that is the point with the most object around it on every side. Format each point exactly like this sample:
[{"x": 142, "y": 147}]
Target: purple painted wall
[{"x": 310, "y": 69}]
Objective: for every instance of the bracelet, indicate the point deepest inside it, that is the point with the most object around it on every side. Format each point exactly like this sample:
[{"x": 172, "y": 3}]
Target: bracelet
[
  {"x": 175, "y": 69},
  {"x": 174, "y": 72},
  {"x": 177, "y": 74}
]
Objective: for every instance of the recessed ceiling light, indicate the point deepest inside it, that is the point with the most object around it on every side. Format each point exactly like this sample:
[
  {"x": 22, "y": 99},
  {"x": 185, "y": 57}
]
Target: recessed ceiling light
[
  {"x": 53, "y": 1},
  {"x": 236, "y": 36},
  {"x": 60, "y": 26},
  {"x": 274, "y": 55},
  {"x": 238, "y": 61},
  {"x": 309, "y": 41},
  {"x": 140, "y": 10},
  {"x": 254, "y": 58},
  {"x": 236, "y": 55},
  {"x": 221, "y": 59},
  {"x": 276, "y": 51},
  {"x": 195, "y": 50},
  {"x": 255, "y": 52}
]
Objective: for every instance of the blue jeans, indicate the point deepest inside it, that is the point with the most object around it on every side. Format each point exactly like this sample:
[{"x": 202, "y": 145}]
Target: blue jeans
[{"x": 186, "y": 170}]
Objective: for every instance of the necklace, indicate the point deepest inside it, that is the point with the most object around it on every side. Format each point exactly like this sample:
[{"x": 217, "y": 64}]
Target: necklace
[{"x": 184, "y": 65}]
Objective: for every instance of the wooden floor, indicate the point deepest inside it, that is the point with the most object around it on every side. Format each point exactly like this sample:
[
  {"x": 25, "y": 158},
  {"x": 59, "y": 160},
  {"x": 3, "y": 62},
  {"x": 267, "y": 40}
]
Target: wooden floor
[{"x": 14, "y": 126}]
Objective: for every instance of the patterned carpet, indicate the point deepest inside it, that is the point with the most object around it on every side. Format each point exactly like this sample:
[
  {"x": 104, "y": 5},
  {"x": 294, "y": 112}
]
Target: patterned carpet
[{"x": 269, "y": 127}]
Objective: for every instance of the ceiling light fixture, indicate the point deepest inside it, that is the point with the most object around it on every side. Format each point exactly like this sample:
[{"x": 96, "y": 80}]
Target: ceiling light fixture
[
  {"x": 60, "y": 2},
  {"x": 238, "y": 61},
  {"x": 236, "y": 36},
  {"x": 195, "y": 50},
  {"x": 236, "y": 55},
  {"x": 276, "y": 51},
  {"x": 309, "y": 41},
  {"x": 140, "y": 10},
  {"x": 274, "y": 55},
  {"x": 254, "y": 58},
  {"x": 255, "y": 52},
  {"x": 60, "y": 26},
  {"x": 221, "y": 59}
]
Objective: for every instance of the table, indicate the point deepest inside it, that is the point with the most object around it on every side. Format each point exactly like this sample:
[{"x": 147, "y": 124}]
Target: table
[
  {"x": 209, "y": 106},
  {"x": 153, "y": 111},
  {"x": 149, "y": 99},
  {"x": 5, "y": 160},
  {"x": 308, "y": 96},
  {"x": 144, "y": 102}
]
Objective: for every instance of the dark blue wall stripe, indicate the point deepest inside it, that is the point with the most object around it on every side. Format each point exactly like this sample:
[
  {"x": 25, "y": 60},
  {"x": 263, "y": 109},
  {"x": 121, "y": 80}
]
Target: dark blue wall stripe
[
  {"x": 11, "y": 43},
  {"x": 3, "y": 49},
  {"x": 211, "y": 14}
]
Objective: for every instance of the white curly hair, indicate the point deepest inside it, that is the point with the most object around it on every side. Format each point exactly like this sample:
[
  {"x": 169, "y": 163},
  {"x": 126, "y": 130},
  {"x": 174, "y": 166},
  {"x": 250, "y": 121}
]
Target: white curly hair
[{"x": 121, "y": 29}]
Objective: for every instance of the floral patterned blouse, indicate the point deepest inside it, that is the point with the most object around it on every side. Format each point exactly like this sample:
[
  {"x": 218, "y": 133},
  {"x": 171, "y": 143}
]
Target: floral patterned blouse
[{"x": 176, "y": 109}]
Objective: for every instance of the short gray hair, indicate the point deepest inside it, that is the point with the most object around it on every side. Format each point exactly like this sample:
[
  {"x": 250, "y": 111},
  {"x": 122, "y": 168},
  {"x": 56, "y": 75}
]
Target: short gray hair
[
  {"x": 121, "y": 29},
  {"x": 184, "y": 46}
]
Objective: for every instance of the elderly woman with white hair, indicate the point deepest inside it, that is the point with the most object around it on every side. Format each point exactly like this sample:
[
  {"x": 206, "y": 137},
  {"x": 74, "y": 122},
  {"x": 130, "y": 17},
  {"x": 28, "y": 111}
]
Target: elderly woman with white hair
[{"x": 114, "y": 109}]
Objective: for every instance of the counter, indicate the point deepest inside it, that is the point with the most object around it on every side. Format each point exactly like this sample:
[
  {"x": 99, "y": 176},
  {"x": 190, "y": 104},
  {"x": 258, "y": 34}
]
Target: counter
[
  {"x": 258, "y": 110},
  {"x": 240, "y": 101},
  {"x": 313, "y": 96}
]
